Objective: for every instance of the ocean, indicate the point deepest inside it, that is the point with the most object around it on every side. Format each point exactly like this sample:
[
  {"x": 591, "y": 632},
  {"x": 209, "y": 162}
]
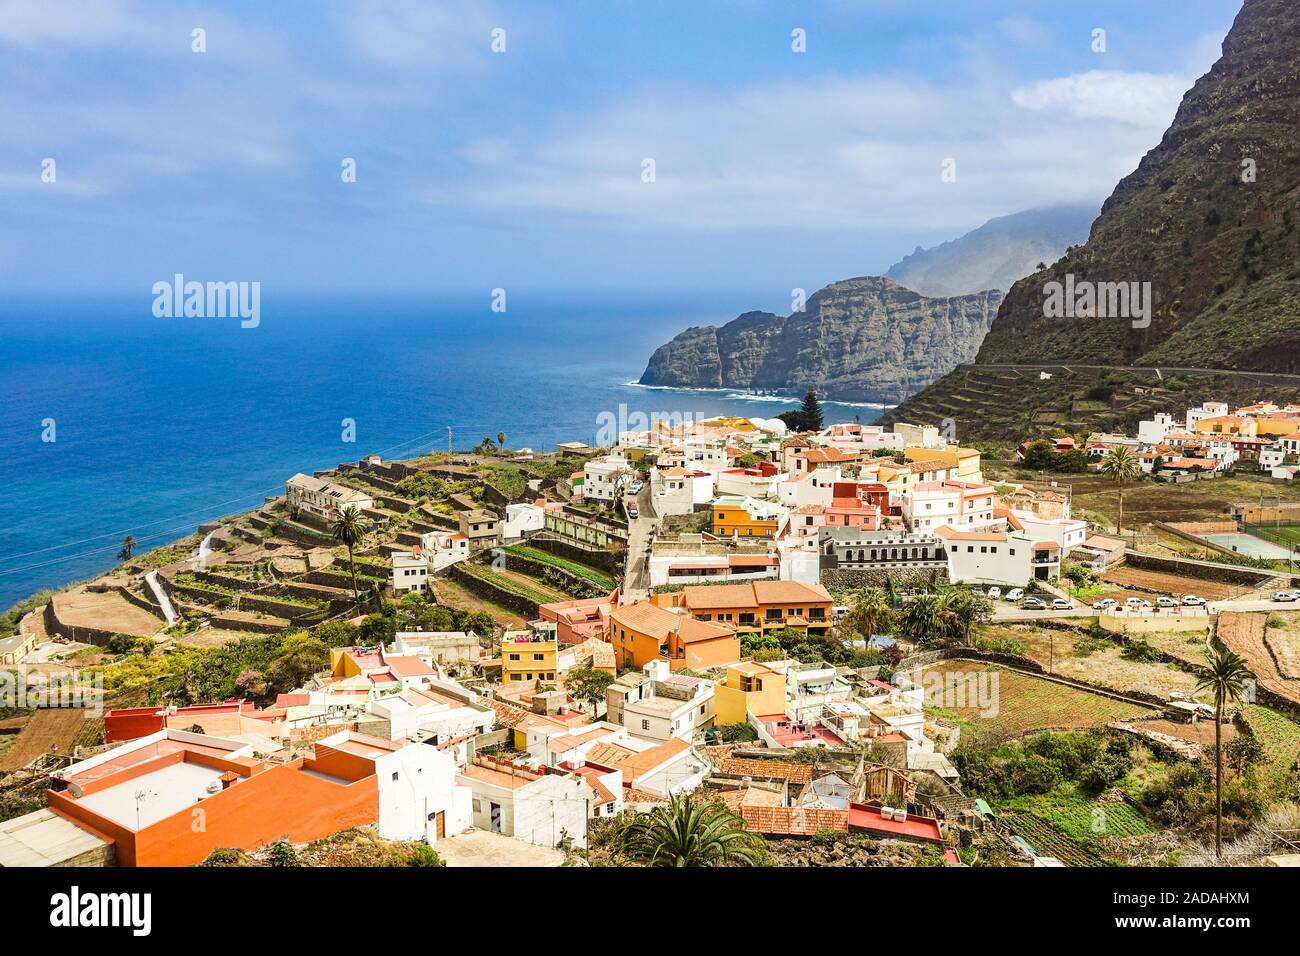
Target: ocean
[{"x": 113, "y": 421}]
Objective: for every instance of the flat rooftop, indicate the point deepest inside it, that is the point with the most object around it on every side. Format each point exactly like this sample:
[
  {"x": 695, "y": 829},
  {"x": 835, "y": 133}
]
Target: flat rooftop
[{"x": 151, "y": 797}]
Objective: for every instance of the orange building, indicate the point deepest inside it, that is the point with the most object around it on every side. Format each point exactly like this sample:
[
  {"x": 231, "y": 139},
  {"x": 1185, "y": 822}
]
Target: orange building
[
  {"x": 582, "y": 618},
  {"x": 172, "y": 800},
  {"x": 643, "y": 632},
  {"x": 759, "y": 605}
]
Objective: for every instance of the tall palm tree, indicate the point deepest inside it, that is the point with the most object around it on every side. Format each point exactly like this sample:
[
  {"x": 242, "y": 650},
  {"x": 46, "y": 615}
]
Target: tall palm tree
[
  {"x": 349, "y": 529},
  {"x": 128, "y": 548},
  {"x": 870, "y": 611},
  {"x": 1225, "y": 676},
  {"x": 688, "y": 832},
  {"x": 1121, "y": 466},
  {"x": 922, "y": 619},
  {"x": 501, "y": 440}
]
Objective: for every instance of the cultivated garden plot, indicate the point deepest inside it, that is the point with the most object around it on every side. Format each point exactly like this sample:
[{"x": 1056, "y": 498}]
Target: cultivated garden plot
[{"x": 1023, "y": 704}]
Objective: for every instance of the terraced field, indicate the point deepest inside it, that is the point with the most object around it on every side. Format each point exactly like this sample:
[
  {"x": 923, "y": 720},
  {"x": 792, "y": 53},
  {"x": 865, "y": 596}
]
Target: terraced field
[
  {"x": 1160, "y": 582},
  {"x": 598, "y": 578},
  {"x": 1082, "y": 819},
  {"x": 1049, "y": 841},
  {"x": 1078, "y": 656},
  {"x": 1016, "y": 704},
  {"x": 1243, "y": 633},
  {"x": 1279, "y": 735},
  {"x": 48, "y": 729}
]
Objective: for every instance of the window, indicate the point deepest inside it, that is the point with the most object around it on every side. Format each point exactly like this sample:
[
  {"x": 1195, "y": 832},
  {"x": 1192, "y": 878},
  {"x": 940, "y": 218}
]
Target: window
[
  {"x": 645, "y": 725},
  {"x": 514, "y": 657},
  {"x": 394, "y": 774},
  {"x": 539, "y": 657},
  {"x": 516, "y": 677}
]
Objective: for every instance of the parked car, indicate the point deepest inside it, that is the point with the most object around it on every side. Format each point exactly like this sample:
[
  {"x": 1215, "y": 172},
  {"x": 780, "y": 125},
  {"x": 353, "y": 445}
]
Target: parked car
[
  {"x": 633, "y": 511},
  {"x": 1034, "y": 604},
  {"x": 1136, "y": 603},
  {"x": 636, "y": 487},
  {"x": 995, "y": 593},
  {"x": 978, "y": 592},
  {"x": 1283, "y": 596},
  {"x": 1192, "y": 600},
  {"x": 1015, "y": 594},
  {"x": 1061, "y": 604},
  {"x": 1163, "y": 601},
  {"x": 1105, "y": 604}
]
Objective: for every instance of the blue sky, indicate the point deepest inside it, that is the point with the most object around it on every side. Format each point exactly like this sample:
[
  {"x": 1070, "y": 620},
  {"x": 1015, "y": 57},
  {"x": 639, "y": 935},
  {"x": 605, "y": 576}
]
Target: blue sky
[{"x": 523, "y": 169}]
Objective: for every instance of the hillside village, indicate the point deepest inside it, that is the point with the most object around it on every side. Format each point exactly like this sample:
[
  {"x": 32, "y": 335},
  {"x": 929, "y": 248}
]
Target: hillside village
[{"x": 854, "y": 644}]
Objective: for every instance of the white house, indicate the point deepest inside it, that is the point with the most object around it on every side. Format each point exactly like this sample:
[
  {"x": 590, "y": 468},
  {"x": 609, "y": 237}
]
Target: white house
[
  {"x": 604, "y": 478},
  {"x": 676, "y": 491},
  {"x": 670, "y": 705},
  {"x": 439, "y": 647},
  {"x": 761, "y": 481},
  {"x": 1207, "y": 410},
  {"x": 1067, "y": 533},
  {"x": 957, "y": 504},
  {"x": 814, "y": 487},
  {"x": 410, "y": 571},
  {"x": 433, "y": 711},
  {"x": 444, "y": 548},
  {"x": 705, "y": 453},
  {"x": 522, "y": 519},
  {"x": 1273, "y": 456},
  {"x": 999, "y": 557},
  {"x": 532, "y": 805},
  {"x": 1153, "y": 432},
  {"x": 419, "y": 796}
]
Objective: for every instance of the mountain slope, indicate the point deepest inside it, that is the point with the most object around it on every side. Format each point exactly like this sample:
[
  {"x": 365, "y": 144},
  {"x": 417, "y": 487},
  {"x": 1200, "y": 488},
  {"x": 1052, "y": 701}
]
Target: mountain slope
[
  {"x": 866, "y": 339},
  {"x": 996, "y": 254},
  {"x": 1220, "y": 253}
]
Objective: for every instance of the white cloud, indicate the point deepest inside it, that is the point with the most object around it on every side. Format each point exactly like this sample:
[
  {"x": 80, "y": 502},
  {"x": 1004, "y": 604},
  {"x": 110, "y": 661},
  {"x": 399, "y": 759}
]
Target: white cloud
[
  {"x": 836, "y": 152},
  {"x": 1139, "y": 99},
  {"x": 424, "y": 37}
]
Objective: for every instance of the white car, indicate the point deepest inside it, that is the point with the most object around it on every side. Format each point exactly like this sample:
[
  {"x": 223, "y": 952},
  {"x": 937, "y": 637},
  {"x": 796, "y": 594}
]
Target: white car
[
  {"x": 1192, "y": 600},
  {"x": 1015, "y": 594},
  {"x": 1281, "y": 596},
  {"x": 1105, "y": 604},
  {"x": 1061, "y": 604},
  {"x": 633, "y": 512},
  {"x": 1163, "y": 601},
  {"x": 1135, "y": 603},
  {"x": 995, "y": 593},
  {"x": 1034, "y": 604}
]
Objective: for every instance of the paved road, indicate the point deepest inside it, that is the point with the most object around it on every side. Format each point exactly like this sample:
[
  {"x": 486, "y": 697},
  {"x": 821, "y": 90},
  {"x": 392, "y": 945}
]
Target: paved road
[{"x": 636, "y": 577}]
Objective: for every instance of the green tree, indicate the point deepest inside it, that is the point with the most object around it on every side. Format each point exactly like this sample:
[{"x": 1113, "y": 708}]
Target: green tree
[
  {"x": 922, "y": 620},
  {"x": 301, "y": 655},
  {"x": 688, "y": 832},
  {"x": 501, "y": 440},
  {"x": 376, "y": 629},
  {"x": 811, "y": 412},
  {"x": 962, "y": 610},
  {"x": 1121, "y": 466},
  {"x": 871, "y": 611},
  {"x": 1225, "y": 676},
  {"x": 128, "y": 548},
  {"x": 336, "y": 633},
  {"x": 588, "y": 684},
  {"x": 349, "y": 529}
]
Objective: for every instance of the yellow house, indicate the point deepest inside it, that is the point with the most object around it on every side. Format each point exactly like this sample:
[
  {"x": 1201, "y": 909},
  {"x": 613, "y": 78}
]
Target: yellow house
[
  {"x": 527, "y": 656},
  {"x": 1228, "y": 425},
  {"x": 966, "y": 461},
  {"x": 743, "y": 518},
  {"x": 749, "y": 688},
  {"x": 1275, "y": 427}
]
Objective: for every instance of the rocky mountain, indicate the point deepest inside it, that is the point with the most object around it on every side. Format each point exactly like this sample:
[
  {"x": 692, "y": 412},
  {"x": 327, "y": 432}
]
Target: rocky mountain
[
  {"x": 996, "y": 254},
  {"x": 1209, "y": 218},
  {"x": 866, "y": 339}
]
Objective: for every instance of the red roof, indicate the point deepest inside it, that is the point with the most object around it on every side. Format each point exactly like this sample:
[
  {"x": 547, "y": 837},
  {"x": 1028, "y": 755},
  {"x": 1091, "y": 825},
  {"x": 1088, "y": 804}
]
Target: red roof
[{"x": 864, "y": 817}]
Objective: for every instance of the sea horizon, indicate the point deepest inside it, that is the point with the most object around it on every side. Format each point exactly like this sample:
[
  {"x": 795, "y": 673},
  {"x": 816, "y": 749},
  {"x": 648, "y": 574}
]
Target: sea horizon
[{"x": 160, "y": 424}]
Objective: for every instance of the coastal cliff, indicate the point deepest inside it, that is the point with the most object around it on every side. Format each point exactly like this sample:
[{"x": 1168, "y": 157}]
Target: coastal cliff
[{"x": 859, "y": 340}]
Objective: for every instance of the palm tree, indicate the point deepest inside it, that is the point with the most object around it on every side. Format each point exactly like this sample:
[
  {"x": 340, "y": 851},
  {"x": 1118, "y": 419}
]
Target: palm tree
[
  {"x": 128, "y": 548},
  {"x": 1120, "y": 466},
  {"x": 870, "y": 611},
  {"x": 348, "y": 529},
  {"x": 922, "y": 619},
  {"x": 1225, "y": 677},
  {"x": 688, "y": 832},
  {"x": 501, "y": 440},
  {"x": 962, "y": 610}
]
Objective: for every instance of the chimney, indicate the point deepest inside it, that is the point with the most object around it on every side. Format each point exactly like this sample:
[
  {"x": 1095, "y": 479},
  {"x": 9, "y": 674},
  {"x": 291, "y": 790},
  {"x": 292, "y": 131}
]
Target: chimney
[
  {"x": 415, "y": 550},
  {"x": 228, "y": 778}
]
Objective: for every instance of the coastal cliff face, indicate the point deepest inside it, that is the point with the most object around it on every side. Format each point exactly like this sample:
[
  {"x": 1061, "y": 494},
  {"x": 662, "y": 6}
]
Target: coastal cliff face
[{"x": 860, "y": 340}]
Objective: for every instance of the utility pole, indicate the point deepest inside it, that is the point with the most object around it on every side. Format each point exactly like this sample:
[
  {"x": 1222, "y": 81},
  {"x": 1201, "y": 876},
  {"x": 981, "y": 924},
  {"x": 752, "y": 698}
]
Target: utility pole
[{"x": 449, "y": 439}]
